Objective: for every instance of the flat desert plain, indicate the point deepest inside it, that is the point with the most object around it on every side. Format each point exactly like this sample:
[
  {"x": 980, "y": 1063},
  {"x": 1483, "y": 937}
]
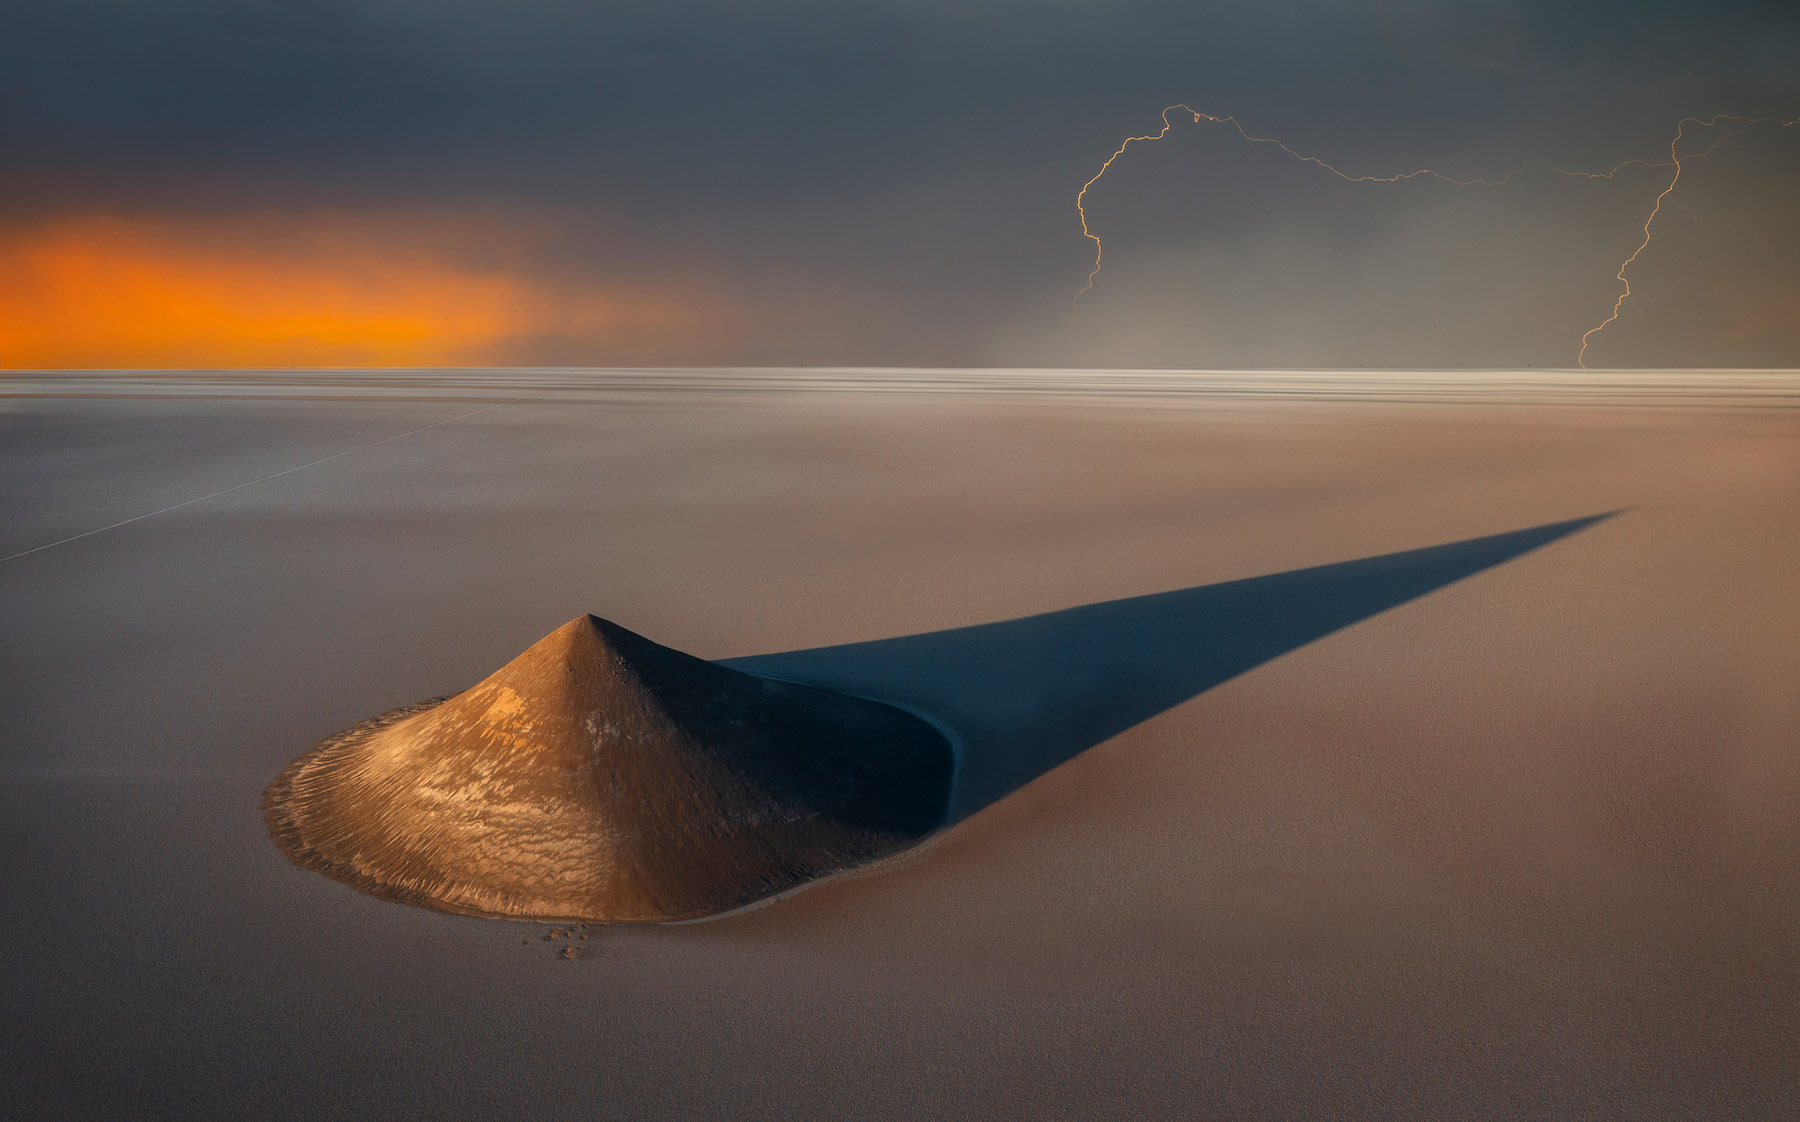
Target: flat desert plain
[{"x": 1523, "y": 846}]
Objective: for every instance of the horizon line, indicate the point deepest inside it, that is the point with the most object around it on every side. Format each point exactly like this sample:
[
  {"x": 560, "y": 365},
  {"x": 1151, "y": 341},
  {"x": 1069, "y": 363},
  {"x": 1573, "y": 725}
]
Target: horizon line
[{"x": 1380, "y": 369}]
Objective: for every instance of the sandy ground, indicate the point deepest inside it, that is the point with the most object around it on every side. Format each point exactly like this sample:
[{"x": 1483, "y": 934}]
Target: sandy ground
[{"x": 1522, "y": 848}]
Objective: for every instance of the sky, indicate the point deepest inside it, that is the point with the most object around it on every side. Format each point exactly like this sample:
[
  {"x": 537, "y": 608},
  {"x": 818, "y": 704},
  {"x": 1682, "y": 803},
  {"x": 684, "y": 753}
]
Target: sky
[{"x": 888, "y": 182}]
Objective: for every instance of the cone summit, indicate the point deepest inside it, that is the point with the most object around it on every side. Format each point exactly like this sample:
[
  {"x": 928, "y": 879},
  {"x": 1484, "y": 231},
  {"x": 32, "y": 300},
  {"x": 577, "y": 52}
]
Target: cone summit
[{"x": 599, "y": 776}]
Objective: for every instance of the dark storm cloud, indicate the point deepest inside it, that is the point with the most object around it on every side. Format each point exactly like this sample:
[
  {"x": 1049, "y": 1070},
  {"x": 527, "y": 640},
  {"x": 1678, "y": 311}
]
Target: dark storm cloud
[{"x": 912, "y": 164}]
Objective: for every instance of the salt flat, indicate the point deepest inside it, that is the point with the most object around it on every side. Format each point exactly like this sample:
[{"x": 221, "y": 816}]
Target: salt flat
[{"x": 1522, "y": 847}]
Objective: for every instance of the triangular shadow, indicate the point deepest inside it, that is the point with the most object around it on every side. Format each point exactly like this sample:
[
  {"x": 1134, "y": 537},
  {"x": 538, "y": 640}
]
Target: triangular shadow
[{"x": 1025, "y": 695}]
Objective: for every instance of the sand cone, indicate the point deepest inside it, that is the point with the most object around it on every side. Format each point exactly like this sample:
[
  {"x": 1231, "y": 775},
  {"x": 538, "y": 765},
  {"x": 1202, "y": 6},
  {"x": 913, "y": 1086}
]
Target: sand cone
[{"x": 599, "y": 776}]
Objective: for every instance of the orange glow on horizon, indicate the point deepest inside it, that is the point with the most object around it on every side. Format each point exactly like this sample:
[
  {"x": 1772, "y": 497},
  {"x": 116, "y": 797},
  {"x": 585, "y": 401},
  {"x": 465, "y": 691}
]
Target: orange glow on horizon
[{"x": 114, "y": 292}]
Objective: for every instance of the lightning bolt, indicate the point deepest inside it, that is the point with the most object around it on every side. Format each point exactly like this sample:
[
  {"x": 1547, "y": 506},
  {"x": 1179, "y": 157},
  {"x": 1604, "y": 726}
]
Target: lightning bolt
[
  {"x": 1675, "y": 157},
  {"x": 1674, "y": 161}
]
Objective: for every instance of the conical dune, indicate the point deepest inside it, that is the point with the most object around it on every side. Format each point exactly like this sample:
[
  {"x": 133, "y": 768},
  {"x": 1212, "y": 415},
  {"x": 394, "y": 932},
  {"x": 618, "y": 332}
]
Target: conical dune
[{"x": 599, "y": 776}]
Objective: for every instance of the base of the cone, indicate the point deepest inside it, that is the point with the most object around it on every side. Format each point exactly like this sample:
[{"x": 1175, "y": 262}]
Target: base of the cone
[
  {"x": 318, "y": 812},
  {"x": 292, "y": 801},
  {"x": 285, "y": 810}
]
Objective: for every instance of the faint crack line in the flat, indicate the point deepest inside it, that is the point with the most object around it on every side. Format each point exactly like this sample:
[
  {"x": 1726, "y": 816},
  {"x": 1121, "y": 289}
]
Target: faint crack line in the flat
[{"x": 254, "y": 482}]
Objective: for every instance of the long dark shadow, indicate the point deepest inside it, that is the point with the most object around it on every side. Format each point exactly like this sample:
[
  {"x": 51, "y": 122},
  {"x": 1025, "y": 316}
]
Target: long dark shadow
[{"x": 1024, "y": 695}]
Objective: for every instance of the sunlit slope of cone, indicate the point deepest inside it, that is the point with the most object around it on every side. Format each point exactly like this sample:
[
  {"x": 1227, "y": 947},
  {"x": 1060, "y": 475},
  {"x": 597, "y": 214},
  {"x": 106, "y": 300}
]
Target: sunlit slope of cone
[{"x": 600, "y": 776}]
